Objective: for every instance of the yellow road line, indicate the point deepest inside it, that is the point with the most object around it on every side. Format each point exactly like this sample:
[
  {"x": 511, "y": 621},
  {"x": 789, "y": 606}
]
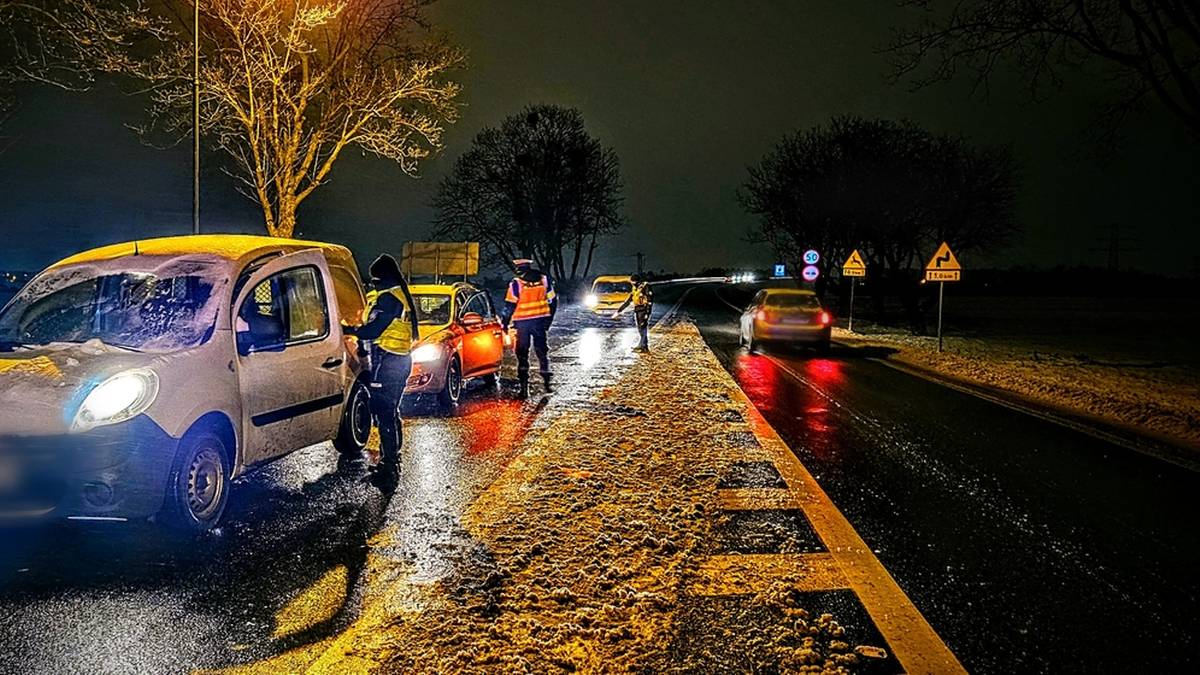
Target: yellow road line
[
  {"x": 755, "y": 573},
  {"x": 914, "y": 642}
]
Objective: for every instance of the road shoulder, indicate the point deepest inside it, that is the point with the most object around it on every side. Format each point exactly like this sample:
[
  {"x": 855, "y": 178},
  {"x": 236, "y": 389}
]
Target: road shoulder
[
  {"x": 656, "y": 523},
  {"x": 1142, "y": 426}
]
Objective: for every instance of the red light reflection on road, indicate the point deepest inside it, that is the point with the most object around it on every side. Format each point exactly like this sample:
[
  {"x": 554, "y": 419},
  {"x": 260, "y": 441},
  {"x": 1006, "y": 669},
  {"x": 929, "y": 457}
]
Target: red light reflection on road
[
  {"x": 759, "y": 378},
  {"x": 821, "y": 375},
  {"x": 495, "y": 426},
  {"x": 824, "y": 372},
  {"x": 798, "y": 396}
]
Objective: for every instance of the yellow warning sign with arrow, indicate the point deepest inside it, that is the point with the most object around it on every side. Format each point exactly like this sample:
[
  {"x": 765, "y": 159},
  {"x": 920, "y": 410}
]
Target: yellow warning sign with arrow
[
  {"x": 943, "y": 266},
  {"x": 854, "y": 265}
]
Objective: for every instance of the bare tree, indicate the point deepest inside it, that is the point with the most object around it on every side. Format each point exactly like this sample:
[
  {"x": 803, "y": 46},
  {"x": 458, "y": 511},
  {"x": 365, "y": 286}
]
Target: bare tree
[
  {"x": 1151, "y": 48},
  {"x": 288, "y": 85},
  {"x": 537, "y": 186},
  {"x": 66, "y": 43}
]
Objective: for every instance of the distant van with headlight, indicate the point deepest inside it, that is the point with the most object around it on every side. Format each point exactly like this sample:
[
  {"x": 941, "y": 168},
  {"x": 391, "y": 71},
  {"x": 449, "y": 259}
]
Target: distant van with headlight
[
  {"x": 138, "y": 380},
  {"x": 608, "y": 293}
]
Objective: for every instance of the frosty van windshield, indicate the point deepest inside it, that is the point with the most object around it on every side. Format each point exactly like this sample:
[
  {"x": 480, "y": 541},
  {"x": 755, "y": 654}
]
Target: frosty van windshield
[
  {"x": 607, "y": 287},
  {"x": 134, "y": 310}
]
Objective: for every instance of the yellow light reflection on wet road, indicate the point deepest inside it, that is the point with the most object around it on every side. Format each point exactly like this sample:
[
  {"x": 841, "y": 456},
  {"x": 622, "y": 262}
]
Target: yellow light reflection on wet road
[
  {"x": 318, "y": 603},
  {"x": 591, "y": 347}
]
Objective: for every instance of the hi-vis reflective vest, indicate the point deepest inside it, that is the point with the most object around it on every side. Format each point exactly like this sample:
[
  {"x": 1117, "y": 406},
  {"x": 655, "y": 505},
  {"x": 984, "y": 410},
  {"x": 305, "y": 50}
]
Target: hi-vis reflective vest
[
  {"x": 532, "y": 298},
  {"x": 641, "y": 297},
  {"x": 397, "y": 337}
]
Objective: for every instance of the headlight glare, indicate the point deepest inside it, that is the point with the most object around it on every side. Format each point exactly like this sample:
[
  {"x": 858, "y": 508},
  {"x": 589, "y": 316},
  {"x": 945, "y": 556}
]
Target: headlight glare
[
  {"x": 591, "y": 300},
  {"x": 117, "y": 399},
  {"x": 427, "y": 353}
]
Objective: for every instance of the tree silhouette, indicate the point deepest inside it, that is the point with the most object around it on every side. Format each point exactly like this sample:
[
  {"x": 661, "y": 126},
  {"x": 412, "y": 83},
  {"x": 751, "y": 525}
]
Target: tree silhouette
[
  {"x": 66, "y": 43},
  {"x": 890, "y": 189},
  {"x": 537, "y": 186},
  {"x": 1149, "y": 48}
]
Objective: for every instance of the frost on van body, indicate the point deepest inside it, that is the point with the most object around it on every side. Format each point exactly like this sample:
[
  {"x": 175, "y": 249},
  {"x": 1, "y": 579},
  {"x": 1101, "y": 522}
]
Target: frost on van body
[
  {"x": 586, "y": 544},
  {"x": 36, "y": 385},
  {"x": 154, "y": 333}
]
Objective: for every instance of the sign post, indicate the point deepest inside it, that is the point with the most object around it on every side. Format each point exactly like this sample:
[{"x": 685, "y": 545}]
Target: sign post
[
  {"x": 942, "y": 267},
  {"x": 854, "y": 267}
]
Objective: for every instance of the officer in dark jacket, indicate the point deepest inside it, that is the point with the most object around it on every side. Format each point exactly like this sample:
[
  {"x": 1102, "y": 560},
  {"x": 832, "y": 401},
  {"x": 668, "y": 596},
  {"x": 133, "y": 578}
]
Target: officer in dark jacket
[
  {"x": 530, "y": 304},
  {"x": 391, "y": 327}
]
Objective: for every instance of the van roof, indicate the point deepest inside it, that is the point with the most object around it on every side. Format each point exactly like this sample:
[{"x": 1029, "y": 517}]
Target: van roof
[{"x": 233, "y": 247}]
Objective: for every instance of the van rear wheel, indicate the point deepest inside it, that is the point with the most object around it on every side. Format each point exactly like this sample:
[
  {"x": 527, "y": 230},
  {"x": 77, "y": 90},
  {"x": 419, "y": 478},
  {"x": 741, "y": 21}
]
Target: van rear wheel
[
  {"x": 355, "y": 429},
  {"x": 198, "y": 487}
]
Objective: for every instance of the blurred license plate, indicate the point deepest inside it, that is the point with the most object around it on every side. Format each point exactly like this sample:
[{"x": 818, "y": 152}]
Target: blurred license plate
[{"x": 795, "y": 319}]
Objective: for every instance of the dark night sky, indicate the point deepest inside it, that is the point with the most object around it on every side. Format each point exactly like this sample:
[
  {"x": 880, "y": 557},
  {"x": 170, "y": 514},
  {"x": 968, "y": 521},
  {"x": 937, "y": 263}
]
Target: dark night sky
[{"x": 689, "y": 94}]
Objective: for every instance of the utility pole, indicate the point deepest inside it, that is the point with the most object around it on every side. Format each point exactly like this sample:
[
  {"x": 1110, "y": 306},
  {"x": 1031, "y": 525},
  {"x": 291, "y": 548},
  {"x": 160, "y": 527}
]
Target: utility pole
[
  {"x": 641, "y": 260},
  {"x": 196, "y": 117},
  {"x": 1114, "y": 245}
]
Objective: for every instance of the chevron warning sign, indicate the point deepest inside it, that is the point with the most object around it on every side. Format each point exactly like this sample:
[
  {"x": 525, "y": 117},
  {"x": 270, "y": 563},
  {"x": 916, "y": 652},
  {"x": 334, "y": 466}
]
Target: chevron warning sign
[{"x": 943, "y": 266}]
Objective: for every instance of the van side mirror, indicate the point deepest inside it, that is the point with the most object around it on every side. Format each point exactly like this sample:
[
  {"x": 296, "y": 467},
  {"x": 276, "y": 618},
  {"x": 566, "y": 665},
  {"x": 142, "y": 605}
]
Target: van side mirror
[{"x": 471, "y": 319}]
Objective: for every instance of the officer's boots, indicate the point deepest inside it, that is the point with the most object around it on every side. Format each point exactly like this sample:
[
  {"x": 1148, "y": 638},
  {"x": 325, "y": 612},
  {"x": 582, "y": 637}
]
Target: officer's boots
[
  {"x": 523, "y": 388},
  {"x": 546, "y": 383}
]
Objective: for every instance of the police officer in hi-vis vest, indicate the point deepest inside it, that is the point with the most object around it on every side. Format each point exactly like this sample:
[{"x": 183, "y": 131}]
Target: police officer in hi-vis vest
[
  {"x": 390, "y": 323},
  {"x": 642, "y": 299},
  {"x": 530, "y": 305}
]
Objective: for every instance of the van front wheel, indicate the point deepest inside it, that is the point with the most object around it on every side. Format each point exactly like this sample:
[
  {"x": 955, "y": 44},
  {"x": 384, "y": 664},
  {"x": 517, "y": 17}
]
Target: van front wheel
[
  {"x": 355, "y": 429},
  {"x": 198, "y": 488}
]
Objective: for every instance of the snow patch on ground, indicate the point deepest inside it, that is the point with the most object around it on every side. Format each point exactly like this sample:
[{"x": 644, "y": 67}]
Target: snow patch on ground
[
  {"x": 582, "y": 549},
  {"x": 1160, "y": 399}
]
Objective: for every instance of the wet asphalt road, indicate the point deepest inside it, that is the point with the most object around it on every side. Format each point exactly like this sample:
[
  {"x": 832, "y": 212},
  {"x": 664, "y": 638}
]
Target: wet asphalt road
[
  {"x": 1029, "y": 547},
  {"x": 127, "y": 598}
]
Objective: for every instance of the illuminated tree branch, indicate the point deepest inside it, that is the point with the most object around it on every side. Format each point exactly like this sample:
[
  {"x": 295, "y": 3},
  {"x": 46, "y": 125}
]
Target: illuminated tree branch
[{"x": 288, "y": 85}]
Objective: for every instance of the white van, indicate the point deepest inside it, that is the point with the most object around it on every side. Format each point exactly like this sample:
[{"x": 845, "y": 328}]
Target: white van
[{"x": 137, "y": 380}]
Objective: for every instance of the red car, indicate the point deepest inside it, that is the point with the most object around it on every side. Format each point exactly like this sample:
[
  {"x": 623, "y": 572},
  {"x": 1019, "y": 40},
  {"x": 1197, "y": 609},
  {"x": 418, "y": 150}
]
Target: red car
[{"x": 460, "y": 339}]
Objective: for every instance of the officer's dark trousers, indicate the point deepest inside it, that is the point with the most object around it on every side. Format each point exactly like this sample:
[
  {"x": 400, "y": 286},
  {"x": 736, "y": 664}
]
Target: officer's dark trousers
[
  {"x": 532, "y": 331},
  {"x": 389, "y": 374},
  {"x": 643, "y": 325}
]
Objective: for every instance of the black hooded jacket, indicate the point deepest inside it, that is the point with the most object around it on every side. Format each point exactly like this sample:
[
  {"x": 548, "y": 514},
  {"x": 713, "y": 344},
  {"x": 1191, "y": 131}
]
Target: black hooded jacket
[{"x": 386, "y": 273}]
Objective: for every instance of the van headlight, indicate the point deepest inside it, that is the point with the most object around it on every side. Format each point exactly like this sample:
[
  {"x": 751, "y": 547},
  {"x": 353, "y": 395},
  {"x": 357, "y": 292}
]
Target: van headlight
[
  {"x": 117, "y": 399},
  {"x": 591, "y": 300},
  {"x": 427, "y": 353}
]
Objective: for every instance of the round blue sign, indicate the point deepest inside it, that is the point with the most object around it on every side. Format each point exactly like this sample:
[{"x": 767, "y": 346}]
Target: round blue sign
[
  {"x": 811, "y": 273},
  {"x": 811, "y": 257}
]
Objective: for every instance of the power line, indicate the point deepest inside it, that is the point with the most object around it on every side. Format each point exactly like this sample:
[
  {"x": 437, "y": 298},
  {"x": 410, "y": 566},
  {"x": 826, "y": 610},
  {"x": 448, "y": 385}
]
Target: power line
[{"x": 1115, "y": 245}]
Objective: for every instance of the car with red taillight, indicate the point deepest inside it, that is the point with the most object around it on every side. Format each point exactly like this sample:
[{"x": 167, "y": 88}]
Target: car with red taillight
[
  {"x": 460, "y": 339},
  {"x": 788, "y": 316}
]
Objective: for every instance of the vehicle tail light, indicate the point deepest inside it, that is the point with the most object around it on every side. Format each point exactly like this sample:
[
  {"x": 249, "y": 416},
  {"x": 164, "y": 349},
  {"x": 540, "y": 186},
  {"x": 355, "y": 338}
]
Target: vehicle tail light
[
  {"x": 825, "y": 318},
  {"x": 761, "y": 315}
]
